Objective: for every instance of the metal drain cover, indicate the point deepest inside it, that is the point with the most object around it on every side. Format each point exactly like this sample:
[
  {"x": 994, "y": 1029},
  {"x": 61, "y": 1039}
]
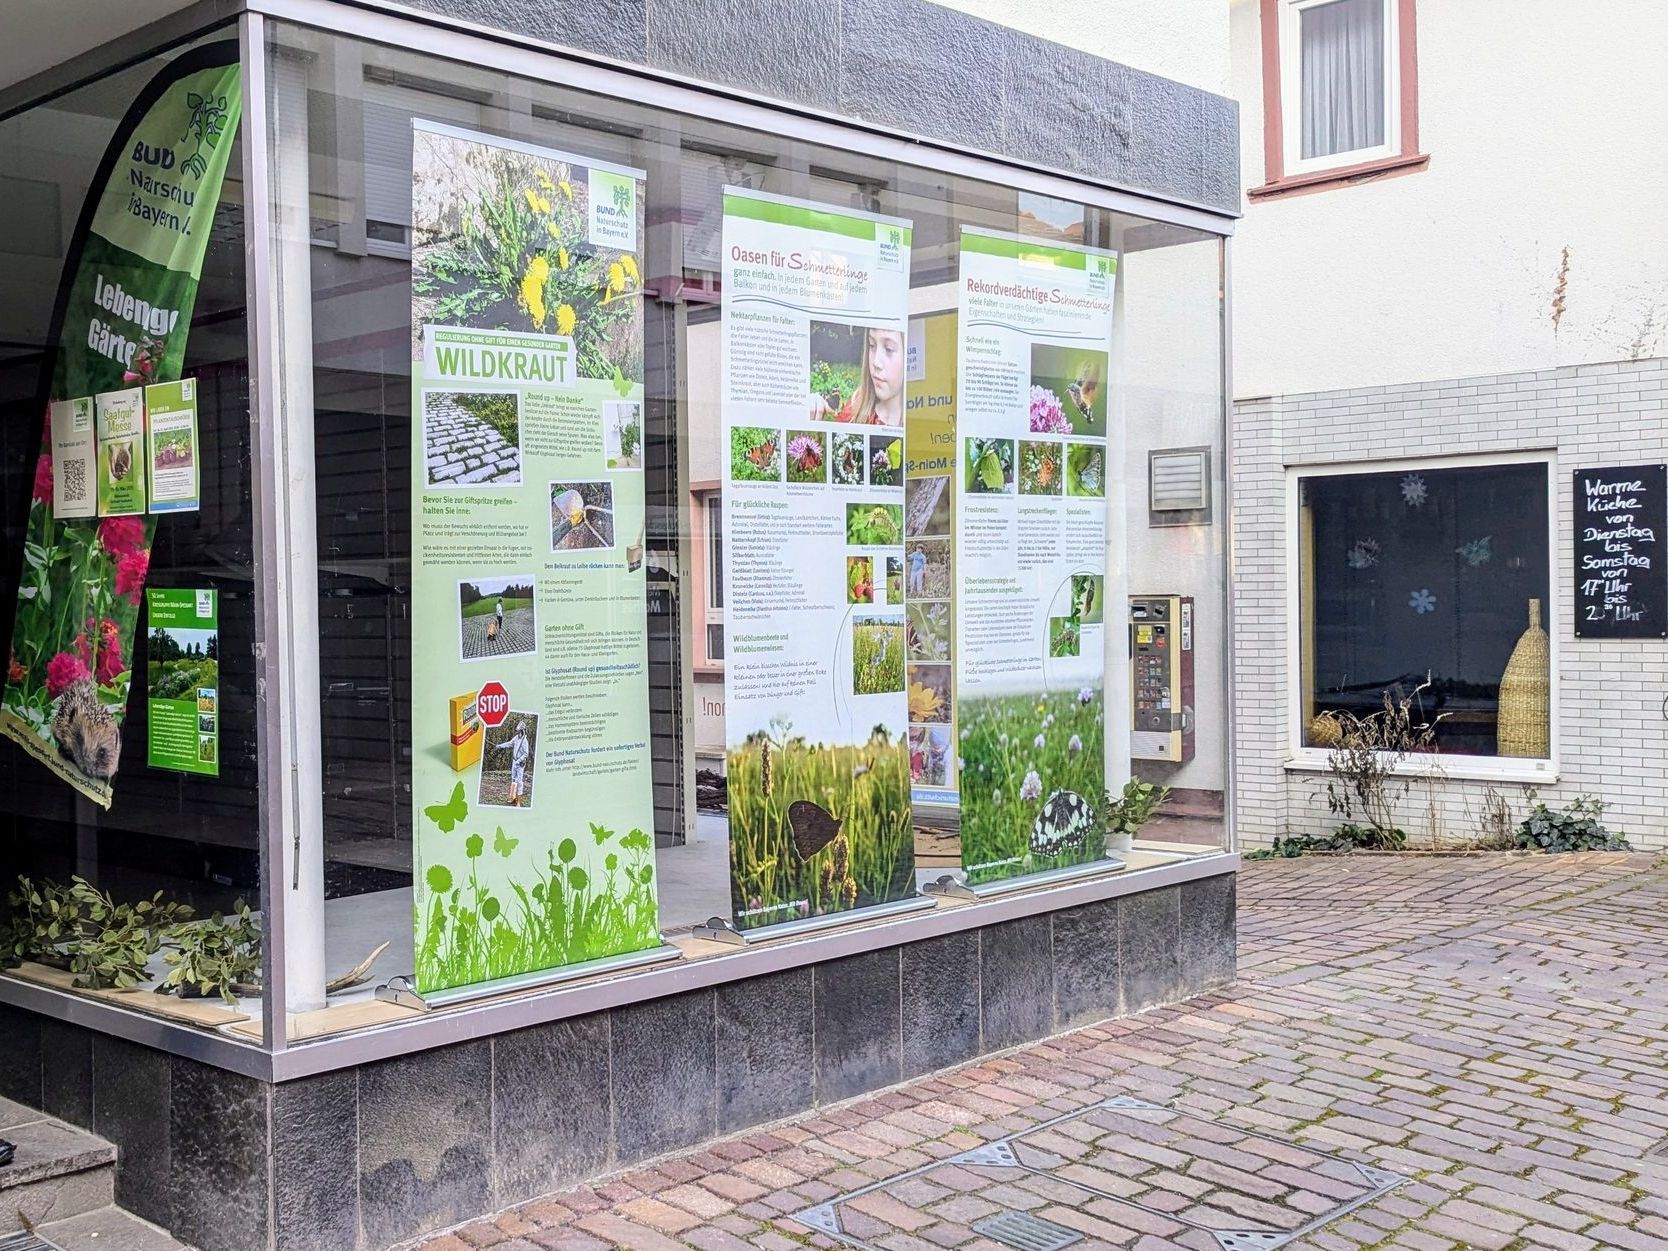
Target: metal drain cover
[
  {"x": 1027, "y": 1232},
  {"x": 1111, "y": 1174},
  {"x": 24, "y": 1242}
]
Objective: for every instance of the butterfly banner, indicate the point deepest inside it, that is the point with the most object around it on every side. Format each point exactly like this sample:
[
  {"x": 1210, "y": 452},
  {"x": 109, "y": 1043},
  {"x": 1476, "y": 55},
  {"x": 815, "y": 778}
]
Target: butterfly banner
[
  {"x": 816, "y": 311},
  {"x": 534, "y": 801},
  {"x": 120, "y": 327},
  {"x": 1034, "y": 451}
]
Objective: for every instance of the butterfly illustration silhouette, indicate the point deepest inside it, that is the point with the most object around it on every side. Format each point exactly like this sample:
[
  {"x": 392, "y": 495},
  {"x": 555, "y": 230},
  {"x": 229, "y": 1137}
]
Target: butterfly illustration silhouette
[
  {"x": 448, "y": 814},
  {"x": 813, "y": 826}
]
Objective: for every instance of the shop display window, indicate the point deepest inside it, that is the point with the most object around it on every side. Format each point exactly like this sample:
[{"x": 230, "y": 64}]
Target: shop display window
[
  {"x": 687, "y": 579},
  {"x": 1429, "y": 584}
]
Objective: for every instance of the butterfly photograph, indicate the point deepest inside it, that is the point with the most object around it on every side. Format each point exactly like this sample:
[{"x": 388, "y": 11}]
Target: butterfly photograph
[
  {"x": 817, "y": 828},
  {"x": 990, "y": 466},
  {"x": 755, "y": 454},
  {"x": 1041, "y": 468},
  {"x": 1085, "y": 469},
  {"x": 1077, "y": 377}
]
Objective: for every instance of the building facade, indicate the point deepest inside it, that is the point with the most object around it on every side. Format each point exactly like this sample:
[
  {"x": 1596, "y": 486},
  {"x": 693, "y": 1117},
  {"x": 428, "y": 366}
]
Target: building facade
[
  {"x": 440, "y": 403},
  {"x": 1446, "y": 356}
]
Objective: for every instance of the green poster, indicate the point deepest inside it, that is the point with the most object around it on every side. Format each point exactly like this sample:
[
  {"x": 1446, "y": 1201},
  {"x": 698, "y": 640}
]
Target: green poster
[
  {"x": 123, "y": 315},
  {"x": 171, "y": 445},
  {"x": 1034, "y": 455},
  {"x": 121, "y": 439},
  {"x": 530, "y": 706},
  {"x": 183, "y": 711}
]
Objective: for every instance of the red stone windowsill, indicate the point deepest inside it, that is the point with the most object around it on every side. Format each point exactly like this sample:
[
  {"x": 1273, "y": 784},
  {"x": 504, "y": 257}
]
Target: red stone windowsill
[{"x": 1321, "y": 180}]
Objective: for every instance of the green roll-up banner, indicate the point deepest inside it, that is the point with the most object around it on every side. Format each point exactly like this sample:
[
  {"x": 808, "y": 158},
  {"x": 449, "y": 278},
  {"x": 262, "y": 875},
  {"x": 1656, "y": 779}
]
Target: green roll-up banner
[{"x": 121, "y": 321}]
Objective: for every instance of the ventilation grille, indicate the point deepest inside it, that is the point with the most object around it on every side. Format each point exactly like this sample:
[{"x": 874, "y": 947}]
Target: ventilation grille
[{"x": 1180, "y": 481}]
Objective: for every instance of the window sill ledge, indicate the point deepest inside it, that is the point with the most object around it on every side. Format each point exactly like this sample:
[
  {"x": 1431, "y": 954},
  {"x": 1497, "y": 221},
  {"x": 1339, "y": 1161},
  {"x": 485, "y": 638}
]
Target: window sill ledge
[
  {"x": 1320, "y": 180},
  {"x": 1446, "y": 768}
]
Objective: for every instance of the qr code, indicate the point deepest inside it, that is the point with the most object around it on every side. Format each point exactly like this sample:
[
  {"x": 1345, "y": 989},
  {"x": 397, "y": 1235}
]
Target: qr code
[{"x": 75, "y": 479}]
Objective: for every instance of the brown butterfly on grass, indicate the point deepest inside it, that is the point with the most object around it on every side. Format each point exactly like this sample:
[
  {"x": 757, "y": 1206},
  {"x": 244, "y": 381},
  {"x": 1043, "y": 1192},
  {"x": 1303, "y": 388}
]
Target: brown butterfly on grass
[
  {"x": 764, "y": 455},
  {"x": 813, "y": 827}
]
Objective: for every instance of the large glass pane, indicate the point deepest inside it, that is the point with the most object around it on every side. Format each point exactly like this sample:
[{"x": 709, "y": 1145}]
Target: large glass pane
[
  {"x": 133, "y": 677},
  {"x": 1419, "y": 584},
  {"x": 367, "y": 232}
]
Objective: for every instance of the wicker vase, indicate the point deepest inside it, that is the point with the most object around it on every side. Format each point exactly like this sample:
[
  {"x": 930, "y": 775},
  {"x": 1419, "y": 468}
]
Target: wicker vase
[{"x": 1525, "y": 727}]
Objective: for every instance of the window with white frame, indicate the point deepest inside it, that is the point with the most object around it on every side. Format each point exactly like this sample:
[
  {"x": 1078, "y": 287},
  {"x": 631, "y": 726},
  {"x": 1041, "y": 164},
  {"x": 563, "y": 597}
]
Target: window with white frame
[
  {"x": 1339, "y": 72},
  {"x": 1430, "y": 583}
]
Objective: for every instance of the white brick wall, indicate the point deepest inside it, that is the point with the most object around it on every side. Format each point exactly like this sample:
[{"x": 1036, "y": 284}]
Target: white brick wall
[{"x": 1610, "y": 720}]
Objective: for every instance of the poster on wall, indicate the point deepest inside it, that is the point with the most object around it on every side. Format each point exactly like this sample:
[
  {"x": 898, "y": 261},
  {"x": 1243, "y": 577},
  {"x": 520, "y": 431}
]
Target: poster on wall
[
  {"x": 182, "y": 680},
  {"x": 816, "y": 311},
  {"x": 123, "y": 315},
  {"x": 171, "y": 446},
  {"x": 1034, "y": 353},
  {"x": 929, "y": 590},
  {"x": 533, "y": 800},
  {"x": 1621, "y": 578}
]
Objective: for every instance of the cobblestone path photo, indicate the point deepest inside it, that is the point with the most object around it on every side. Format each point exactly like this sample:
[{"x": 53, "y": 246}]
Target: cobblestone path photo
[
  {"x": 462, "y": 450},
  {"x": 1439, "y": 1052},
  {"x": 515, "y": 639}
]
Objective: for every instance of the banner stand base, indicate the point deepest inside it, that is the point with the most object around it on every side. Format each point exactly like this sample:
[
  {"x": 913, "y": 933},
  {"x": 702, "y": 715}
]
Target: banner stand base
[
  {"x": 952, "y": 888},
  {"x": 399, "y": 989},
  {"x": 717, "y": 929}
]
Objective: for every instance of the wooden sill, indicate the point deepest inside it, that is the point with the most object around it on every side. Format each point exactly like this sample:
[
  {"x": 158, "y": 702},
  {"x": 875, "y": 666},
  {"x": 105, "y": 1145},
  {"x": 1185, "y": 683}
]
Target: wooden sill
[{"x": 1370, "y": 171}]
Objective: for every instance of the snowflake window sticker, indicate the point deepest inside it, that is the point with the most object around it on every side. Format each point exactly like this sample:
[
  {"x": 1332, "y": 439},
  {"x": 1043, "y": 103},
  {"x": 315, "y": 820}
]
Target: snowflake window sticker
[
  {"x": 1422, "y": 602},
  {"x": 1477, "y": 552},
  {"x": 1414, "y": 491},
  {"x": 1363, "y": 554}
]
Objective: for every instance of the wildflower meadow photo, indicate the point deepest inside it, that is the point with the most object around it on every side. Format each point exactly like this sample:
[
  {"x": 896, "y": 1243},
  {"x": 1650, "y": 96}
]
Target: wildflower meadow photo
[{"x": 1021, "y": 755}]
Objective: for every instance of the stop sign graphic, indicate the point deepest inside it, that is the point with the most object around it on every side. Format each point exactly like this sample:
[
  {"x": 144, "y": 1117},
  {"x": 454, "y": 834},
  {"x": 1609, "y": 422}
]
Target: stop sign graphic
[{"x": 493, "y": 703}]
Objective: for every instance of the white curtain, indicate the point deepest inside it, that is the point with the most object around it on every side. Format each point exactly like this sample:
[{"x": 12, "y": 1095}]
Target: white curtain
[{"x": 1343, "y": 76}]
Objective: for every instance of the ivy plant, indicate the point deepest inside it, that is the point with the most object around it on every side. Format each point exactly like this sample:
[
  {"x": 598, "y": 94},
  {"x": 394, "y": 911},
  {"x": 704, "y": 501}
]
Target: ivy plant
[{"x": 1579, "y": 827}]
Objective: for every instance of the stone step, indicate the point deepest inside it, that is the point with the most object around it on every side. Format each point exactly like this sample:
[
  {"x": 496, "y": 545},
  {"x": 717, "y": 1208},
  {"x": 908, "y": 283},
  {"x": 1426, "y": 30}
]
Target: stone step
[
  {"x": 108, "y": 1229},
  {"x": 59, "y": 1171}
]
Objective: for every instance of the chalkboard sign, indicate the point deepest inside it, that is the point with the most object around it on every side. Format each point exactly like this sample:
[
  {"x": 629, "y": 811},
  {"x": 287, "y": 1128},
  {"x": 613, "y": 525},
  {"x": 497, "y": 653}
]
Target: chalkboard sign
[{"x": 1621, "y": 569}]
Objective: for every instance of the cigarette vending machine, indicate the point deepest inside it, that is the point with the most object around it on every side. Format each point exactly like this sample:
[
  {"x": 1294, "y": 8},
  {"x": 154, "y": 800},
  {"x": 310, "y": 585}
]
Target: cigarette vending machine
[{"x": 1161, "y": 677}]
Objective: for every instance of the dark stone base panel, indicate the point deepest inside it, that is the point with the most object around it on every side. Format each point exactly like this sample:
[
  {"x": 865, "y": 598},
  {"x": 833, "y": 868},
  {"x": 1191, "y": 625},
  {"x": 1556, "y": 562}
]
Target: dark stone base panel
[{"x": 363, "y": 1159}]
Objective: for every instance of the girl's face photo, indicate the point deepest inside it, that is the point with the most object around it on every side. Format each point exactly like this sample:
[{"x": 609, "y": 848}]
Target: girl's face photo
[{"x": 886, "y": 364}]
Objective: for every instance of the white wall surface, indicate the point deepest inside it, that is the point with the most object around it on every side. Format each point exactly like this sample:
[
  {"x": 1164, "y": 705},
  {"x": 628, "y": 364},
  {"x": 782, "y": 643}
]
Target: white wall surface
[
  {"x": 1610, "y": 734},
  {"x": 1547, "y": 127},
  {"x": 1181, "y": 39}
]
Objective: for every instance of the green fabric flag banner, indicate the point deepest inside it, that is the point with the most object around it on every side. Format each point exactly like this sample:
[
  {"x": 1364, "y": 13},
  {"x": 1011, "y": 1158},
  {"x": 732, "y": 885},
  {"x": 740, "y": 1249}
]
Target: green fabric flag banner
[{"x": 123, "y": 314}]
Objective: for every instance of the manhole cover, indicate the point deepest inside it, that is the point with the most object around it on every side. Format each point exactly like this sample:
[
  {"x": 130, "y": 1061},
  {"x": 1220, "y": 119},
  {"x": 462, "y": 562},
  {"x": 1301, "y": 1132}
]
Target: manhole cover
[
  {"x": 1113, "y": 1172},
  {"x": 1027, "y": 1232}
]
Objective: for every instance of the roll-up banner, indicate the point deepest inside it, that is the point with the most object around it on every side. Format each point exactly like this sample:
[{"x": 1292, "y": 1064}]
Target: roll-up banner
[
  {"x": 533, "y": 799},
  {"x": 1030, "y": 553},
  {"x": 816, "y": 315},
  {"x": 120, "y": 327}
]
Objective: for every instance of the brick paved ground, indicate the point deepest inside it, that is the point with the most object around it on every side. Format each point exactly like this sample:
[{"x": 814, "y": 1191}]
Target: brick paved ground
[{"x": 1494, "y": 1029}]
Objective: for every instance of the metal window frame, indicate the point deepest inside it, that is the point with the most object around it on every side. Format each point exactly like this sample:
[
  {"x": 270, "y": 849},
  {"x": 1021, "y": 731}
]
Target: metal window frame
[{"x": 275, "y": 1058}]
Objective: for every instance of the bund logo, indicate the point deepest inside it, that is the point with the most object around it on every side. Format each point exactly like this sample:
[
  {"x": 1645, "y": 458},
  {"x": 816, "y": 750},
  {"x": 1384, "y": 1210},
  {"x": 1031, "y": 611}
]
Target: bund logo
[
  {"x": 203, "y": 130},
  {"x": 622, "y": 197}
]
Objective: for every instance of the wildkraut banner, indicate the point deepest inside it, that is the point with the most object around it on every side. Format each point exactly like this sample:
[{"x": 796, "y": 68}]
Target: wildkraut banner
[{"x": 120, "y": 325}]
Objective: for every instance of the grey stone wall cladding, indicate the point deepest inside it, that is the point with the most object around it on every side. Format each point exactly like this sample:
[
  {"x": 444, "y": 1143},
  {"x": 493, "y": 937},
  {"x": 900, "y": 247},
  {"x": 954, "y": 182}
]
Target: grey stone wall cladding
[
  {"x": 363, "y": 1159},
  {"x": 1609, "y": 727},
  {"x": 914, "y": 66}
]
